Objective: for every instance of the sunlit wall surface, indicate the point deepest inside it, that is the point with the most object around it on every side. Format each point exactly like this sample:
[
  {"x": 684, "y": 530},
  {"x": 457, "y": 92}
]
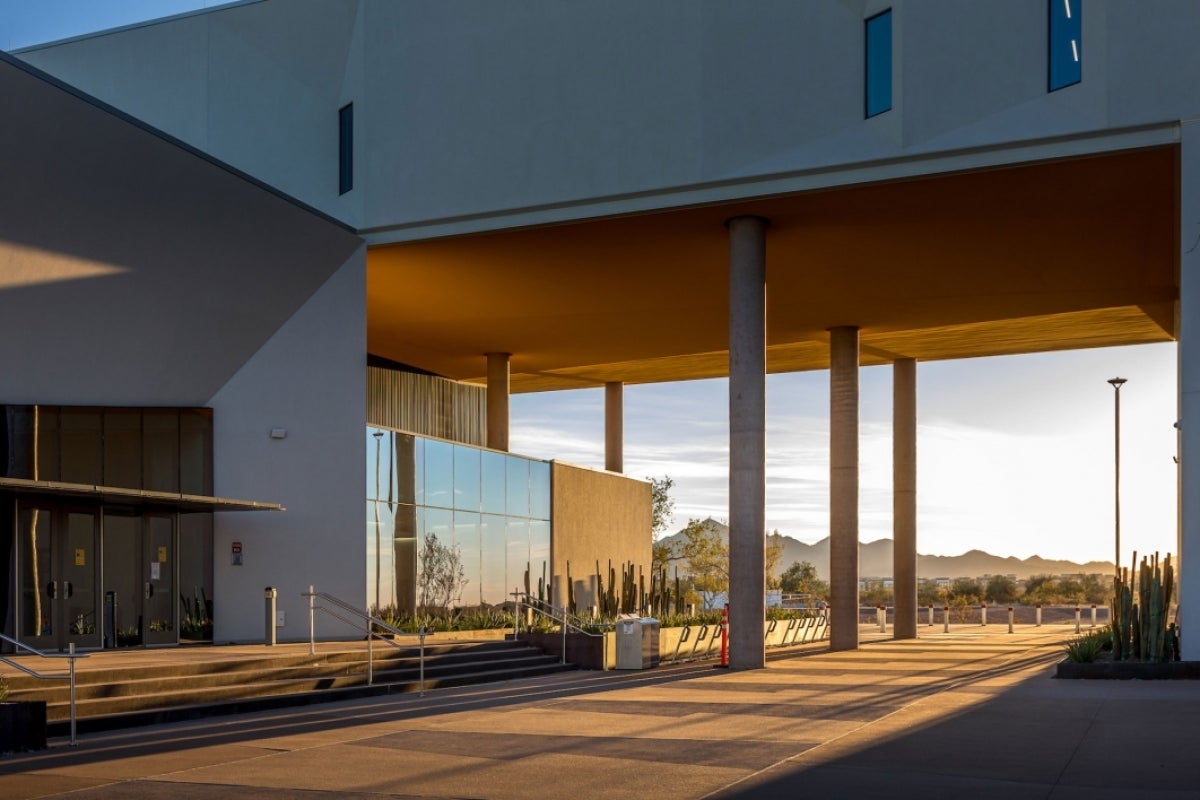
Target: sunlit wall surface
[{"x": 492, "y": 508}]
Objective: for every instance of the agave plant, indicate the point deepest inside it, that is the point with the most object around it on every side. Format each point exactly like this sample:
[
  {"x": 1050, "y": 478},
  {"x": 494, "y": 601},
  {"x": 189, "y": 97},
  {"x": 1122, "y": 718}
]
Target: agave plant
[{"x": 1085, "y": 649}]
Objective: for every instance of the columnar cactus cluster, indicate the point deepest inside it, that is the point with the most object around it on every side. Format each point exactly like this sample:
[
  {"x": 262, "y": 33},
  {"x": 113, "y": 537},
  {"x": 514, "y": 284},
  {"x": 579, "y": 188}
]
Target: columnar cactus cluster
[{"x": 1141, "y": 630}]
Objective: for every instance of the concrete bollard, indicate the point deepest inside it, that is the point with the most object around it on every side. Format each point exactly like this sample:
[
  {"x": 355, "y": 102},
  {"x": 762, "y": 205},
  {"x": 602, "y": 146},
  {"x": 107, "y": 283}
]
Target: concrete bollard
[
  {"x": 1093, "y": 615},
  {"x": 945, "y": 619},
  {"x": 881, "y": 615},
  {"x": 1078, "y": 629},
  {"x": 983, "y": 614},
  {"x": 931, "y": 615},
  {"x": 269, "y": 595},
  {"x": 1010, "y": 619},
  {"x": 1039, "y": 615}
]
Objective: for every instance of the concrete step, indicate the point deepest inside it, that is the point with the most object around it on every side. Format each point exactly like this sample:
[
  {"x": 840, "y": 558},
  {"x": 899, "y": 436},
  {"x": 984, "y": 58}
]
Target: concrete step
[
  {"x": 113, "y": 698},
  {"x": 165, "y": 679}
]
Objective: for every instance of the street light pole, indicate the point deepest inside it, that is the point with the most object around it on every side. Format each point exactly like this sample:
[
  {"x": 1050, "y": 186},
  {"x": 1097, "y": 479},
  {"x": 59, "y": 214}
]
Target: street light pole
[{"x": 1117, "y": 383}]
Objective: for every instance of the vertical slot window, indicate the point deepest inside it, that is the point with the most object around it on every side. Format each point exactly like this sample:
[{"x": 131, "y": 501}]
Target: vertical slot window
[
  {"x": 879, "y": 63},
  {"x": 345, "y": 148},
  {"x": 1066, "y": 43}
]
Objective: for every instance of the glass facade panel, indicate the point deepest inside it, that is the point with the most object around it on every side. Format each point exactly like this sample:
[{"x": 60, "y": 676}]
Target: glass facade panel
[
  {"x": 1066, "y": 43},
  {"x": 539, "y": 489},
  {"x": 376, "y": 489},
  {"x": 47, "y": 446},
  {"x": 493, "y": 582},
  {"x": 466, "y": 478},
  {"x": 122, "y": 447},
  {"x": 516, "y": 540},
  {"x": 195, "y": 451},
  {"x": 160, "y": 450},
  {"x": 492, "y": 469},
  {"x": 879, "y": 63},
  {"x": 80, "y": 435},
  {"x": 539, "y": 544},
  {"x": 467, "y": 528},
  {"x": 195, "y": 577},
  {"x": 450, "y": 484},
  {"x": 402, "y": 469},
  {"x": 419, "y": 470},
  {"x": 437, "y": 531},
  {"x": 517, "y": 488},
  {"x": 149, "y": 587},
  {"x": 439, "y": 474}
]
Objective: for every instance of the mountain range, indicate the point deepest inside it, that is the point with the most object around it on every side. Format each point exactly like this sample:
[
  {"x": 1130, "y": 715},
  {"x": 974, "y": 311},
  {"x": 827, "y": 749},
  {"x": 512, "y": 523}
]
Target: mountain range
[{"x": 875, "y": 560}]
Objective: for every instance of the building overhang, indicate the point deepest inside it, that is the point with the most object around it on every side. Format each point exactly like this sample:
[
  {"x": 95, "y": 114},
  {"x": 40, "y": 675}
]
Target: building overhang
[
  {"x": 56, "y": 491},
  {"x": 1061, "y": 254}
]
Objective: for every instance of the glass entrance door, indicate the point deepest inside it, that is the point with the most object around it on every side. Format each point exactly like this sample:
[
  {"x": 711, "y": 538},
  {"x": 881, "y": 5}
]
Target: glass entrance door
[
  {"x": 139, "y": 580},
  {"x": 59, "y": 568},
  {"x": 159, "y": 608}
]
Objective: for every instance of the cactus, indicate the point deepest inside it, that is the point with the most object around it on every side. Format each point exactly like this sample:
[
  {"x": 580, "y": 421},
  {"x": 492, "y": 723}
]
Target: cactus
[
  {"x": 570, "y": 591},
  {"x": 1140, "y": 631}
]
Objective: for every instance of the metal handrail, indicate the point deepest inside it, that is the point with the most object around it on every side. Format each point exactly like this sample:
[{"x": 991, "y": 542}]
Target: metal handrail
[
  {"x": 70, "y": 655},
  {"x": 565, "y": 620},
  {"x": 375, "y": 628}
]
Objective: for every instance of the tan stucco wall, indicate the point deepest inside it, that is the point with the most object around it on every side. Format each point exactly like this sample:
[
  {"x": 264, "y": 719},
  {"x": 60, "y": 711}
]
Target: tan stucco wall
[{"x": 596, "y": 516}]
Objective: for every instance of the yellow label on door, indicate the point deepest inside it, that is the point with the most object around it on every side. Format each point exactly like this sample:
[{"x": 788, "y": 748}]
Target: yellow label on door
[
  {"x": 162, "y": 555},
  {"x": 80, "y": 557}
]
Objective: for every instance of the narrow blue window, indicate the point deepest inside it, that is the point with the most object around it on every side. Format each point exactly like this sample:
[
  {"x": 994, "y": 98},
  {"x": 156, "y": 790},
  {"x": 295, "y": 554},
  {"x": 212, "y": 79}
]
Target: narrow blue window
[
  {"x": 1066, "y": 43},
  {"x": 345, "y": 148},
  {"x": 879, "y": 63}
]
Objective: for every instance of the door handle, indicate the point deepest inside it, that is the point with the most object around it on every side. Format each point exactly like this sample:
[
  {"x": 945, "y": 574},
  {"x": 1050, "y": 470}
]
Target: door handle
[
  {"x": 52, "y": 590},
  {"x": 149, "y": 590},
  {"x": 68, "y": 590}
]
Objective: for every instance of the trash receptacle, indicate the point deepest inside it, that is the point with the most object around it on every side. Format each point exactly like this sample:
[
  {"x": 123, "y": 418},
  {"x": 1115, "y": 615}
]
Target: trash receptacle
[{"x": 637, "y": 642}]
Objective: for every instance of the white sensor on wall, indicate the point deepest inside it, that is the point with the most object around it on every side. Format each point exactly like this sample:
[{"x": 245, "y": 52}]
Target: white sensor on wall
[{"x": 278, "y": 433}]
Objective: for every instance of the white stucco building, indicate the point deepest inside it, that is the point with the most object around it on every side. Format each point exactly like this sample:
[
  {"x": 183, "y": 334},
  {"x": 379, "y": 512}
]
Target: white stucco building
[{"x": 508, "y": 195}]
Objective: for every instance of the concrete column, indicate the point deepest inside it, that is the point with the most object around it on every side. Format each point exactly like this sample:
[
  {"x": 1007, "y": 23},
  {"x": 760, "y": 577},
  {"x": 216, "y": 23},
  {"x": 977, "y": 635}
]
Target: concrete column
[
  {"x": 843, "y": 488},
  {"x": 747, "y": 440},
  {"x": 497, "y": 401},
  {"x": 1189, "y": 386},
  {"x": 904, "y": 496},
  {"x": 614, "y": 426}
]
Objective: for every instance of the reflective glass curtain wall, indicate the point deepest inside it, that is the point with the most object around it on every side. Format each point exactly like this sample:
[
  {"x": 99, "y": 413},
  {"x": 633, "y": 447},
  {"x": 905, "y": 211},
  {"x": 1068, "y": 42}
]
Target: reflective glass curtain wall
[
  {"x": 435, "y": 507},
  {"x": 155, "y": 449}
]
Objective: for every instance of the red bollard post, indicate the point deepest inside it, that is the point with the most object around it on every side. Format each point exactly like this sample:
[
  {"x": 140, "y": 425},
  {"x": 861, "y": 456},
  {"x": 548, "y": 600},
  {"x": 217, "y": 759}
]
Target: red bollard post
[{"x": 725, "y": 636}]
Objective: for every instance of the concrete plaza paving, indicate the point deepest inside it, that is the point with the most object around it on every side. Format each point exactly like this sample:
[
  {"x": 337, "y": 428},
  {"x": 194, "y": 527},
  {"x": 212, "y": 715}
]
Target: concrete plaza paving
[{"x": 971, "y": 713}]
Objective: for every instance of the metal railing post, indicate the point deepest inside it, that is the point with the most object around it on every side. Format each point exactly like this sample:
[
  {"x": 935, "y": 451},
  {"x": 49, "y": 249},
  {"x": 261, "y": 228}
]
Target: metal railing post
[
  {"x": 312, "y": 621},
  {"x": 421, "y": 664},
  {"x": 563, "y": 623},
  {"x": 71, "y": 663},
  {"x": 370, "y": 655},
  {"x": 517, "y": 617}
]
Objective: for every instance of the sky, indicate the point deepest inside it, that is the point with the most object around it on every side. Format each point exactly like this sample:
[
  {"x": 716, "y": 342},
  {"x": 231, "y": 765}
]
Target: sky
[{"x": 1014, "y": 454}]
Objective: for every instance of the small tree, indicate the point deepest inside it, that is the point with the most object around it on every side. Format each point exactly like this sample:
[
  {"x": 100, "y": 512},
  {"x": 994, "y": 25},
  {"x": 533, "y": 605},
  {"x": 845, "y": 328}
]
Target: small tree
[
  {"x": 929, "y": 593},
  {"x": 875, "y": 594},
  {"x": 661, "y": 504},
  {"x": 707, "y": 554},
  {"x": 962, "y": 594},
  {"x": 772, "y": 554},
  {"x": 801, "y": 578},
  {"x": 442, "y": 576},
  {"x": 1001, "y": 589}
]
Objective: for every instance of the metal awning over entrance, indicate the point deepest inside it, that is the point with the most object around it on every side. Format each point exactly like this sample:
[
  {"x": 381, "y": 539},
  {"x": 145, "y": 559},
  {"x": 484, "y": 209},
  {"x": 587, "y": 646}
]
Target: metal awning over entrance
[{"x": 136, "y": 498}]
